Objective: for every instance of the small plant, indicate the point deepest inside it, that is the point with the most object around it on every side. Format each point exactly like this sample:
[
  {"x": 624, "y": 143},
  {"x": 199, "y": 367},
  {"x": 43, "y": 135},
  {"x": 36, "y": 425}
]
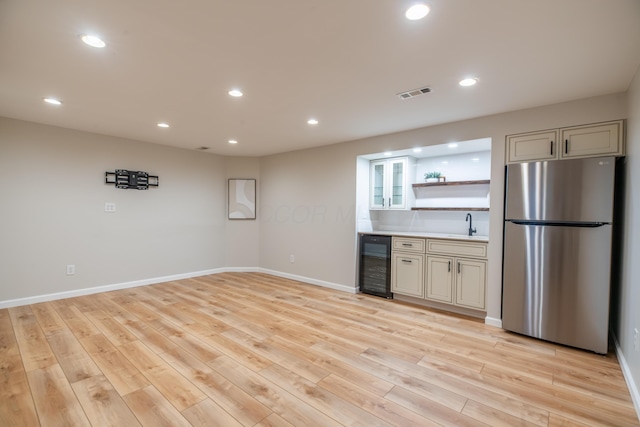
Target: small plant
[{"x": 431, "y": 175}]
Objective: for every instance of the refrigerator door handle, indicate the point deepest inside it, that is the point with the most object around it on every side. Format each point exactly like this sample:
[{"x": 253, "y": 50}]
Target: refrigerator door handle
[{"x": 558, "y": 224}]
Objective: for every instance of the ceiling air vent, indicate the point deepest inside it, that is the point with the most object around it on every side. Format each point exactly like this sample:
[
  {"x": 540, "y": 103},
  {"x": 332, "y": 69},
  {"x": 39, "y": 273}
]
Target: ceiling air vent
[{"x": 413, "y": 93}]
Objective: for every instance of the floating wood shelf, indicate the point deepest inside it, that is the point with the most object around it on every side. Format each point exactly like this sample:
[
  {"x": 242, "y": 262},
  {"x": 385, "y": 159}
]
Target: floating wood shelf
[
  {"x": 436, "y": 184},
  {"x": 450, "y": 209}
]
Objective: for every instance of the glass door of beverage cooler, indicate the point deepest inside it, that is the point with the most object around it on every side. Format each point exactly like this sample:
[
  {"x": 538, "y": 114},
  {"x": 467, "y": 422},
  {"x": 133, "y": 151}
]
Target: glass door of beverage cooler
[{"x": 375, "y": 265}]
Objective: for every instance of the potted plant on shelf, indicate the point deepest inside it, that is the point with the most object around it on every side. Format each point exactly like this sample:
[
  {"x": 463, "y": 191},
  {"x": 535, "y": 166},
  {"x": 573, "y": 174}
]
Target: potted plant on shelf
[{"x": 431, "y": 176}]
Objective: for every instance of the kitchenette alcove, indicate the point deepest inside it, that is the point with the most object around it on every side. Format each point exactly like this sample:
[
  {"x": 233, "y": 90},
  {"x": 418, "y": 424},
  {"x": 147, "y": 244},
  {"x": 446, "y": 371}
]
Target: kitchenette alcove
[{"x": 434, "y": 261}]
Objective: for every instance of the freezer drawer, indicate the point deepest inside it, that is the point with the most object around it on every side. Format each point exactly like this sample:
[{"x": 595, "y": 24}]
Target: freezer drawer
[{"x": 556, "y": 283}]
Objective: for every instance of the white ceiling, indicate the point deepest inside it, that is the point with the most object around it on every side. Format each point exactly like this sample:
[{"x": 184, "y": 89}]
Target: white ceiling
[{"x": 340, "y": 61}]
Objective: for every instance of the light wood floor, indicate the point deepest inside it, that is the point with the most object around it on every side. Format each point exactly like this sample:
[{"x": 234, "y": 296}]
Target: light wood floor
[{"x": 242, "y": 349}]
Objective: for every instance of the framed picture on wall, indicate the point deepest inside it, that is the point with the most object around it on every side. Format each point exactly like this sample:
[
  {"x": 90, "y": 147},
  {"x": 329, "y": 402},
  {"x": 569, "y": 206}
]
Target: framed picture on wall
[{"x": 242, "y": 199}]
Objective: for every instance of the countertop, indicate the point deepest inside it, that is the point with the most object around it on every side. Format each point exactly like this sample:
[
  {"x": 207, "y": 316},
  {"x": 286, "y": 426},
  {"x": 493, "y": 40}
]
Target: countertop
[{"x": 427, "y": 235}]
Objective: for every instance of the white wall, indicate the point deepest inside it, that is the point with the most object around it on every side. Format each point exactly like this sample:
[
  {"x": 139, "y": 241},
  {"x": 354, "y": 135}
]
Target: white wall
[
  {"x": 308, "y": 205},
  {"x": 456, "y": 167},
  {"x": 628, "y": 296},
  {"x": 53, "y": 194},
  {"x": 241, "y": 238}
]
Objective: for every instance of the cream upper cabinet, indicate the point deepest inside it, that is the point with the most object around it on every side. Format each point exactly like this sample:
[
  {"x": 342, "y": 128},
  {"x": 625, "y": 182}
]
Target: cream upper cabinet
[
  {"x": 532, "y": 146},
  {"x": 389, "y": 181},
  {"x": 592, "y": 140}
]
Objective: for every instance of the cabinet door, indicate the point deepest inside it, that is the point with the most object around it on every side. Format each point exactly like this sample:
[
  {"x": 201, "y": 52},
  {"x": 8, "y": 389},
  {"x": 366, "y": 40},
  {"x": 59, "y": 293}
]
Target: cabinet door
[
  {"x": 592, "y": 140},
  {"x": 377, "y": 197},
  {"x": 532, "y": 146},
  {"x": 397, "y": 184},
  {"x": 439, "y": 278},
  {"x": 470, "y": 283},
  {"x": 407, "y": 274}
]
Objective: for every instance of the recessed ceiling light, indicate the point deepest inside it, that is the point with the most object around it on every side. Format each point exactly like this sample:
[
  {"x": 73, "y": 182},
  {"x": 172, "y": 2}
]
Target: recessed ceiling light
[
  {"x": 52, "y": 101},
  {"x": 163, "y": 125},
  {"x": 233, "y": 141},
  {"x": 417, "y": 150},
  {"x": 235, "y": 93},
  {"x": 444, "y": 162},
  {"x": 93, "y": 41},
  {"x": 452, "y": 145},
  {"x": 475, "y": 159},
  {"x": 417, "y": 11},
  {"x": 312, "y": 121},
  {"x": 388, "y": 153},
  {"x": 468, "y": 82}
]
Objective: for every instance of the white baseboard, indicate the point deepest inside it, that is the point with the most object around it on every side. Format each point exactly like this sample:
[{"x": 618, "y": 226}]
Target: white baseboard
[
  {"x": 106, "y": 288},
  {"x": 309, "y": 280},
  {"x": 492, "y": 321},
  {"x": 626, "y": 372}
]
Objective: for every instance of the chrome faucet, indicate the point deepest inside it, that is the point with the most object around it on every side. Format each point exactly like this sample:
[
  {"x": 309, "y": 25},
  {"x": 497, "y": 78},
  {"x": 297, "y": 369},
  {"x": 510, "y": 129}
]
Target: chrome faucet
[{"x": 470, "y": 220}]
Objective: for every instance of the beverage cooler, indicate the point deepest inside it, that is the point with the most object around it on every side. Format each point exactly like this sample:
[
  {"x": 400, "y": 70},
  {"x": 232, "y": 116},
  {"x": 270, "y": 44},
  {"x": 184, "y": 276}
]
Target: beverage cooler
[{"x": 375, "y": 265}]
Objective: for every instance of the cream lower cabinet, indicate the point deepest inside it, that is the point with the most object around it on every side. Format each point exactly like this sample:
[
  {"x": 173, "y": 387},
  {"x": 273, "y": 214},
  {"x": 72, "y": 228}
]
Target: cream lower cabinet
[
  {"x": 439, "y": 278},
  {"x": 456, "y": 281},
  {"x": 471, "y": 280},
  {"x": 456, "y": 272},
  {"x": 407, "y": 275},
  {"x": 407, "y": 266},
  {"x": 447, "y": 271}
]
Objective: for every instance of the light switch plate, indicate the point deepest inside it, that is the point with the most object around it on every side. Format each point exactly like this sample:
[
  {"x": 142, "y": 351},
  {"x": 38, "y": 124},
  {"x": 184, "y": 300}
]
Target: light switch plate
[{"x": 109, "y": 207}]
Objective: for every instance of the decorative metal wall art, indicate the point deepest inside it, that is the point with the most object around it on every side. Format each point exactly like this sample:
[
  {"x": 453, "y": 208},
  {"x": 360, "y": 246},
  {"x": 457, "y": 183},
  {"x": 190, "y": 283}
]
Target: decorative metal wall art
[{"x": 125, "y": 179}]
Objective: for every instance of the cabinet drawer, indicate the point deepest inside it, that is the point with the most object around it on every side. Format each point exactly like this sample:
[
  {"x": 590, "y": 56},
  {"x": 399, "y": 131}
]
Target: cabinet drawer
[
  {"x": 456, "y": 248},
  {"x": 408, "y": 244}
]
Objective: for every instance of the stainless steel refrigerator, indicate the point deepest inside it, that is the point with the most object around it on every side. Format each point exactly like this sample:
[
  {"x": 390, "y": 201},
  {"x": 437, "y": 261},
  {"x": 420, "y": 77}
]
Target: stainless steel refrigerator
[{"x": 557, "y": 250}]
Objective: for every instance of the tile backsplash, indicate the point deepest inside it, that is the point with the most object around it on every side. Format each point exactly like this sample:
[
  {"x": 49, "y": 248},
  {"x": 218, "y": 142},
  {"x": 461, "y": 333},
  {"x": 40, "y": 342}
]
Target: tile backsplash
[{"x": 448, "y": 222}]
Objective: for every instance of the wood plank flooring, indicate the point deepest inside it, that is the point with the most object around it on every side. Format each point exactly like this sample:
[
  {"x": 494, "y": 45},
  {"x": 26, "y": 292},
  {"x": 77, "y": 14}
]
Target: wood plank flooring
[{"x": 249, "y": 349}]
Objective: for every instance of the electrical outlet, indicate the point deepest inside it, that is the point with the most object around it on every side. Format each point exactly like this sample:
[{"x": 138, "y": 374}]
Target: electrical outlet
[
  {"x": 71, "y": 269},
  {"x": 292, "y": 258},
  {"x": 636, "y": 339},
  {"x": 109, "y": 207}
]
